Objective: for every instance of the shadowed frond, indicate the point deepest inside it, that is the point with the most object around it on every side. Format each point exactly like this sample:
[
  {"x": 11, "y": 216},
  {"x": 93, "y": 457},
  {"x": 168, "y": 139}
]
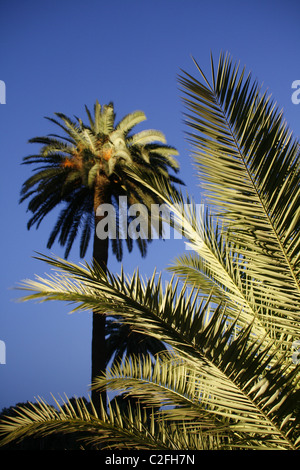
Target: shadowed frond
[{"x": 127, "y": 427}]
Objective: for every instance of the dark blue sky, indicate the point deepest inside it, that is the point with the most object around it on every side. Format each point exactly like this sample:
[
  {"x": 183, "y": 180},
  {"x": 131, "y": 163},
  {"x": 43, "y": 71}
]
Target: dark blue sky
[{"x": 57, "y": 56}]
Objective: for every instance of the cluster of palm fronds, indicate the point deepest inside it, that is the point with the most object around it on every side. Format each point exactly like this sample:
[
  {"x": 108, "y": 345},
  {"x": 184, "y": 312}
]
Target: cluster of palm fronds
[{"x": 230, "y": 315}]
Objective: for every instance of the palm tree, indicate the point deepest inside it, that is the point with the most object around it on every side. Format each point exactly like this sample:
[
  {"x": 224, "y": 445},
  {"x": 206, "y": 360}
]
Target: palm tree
[
  {"x": 229, "y": 378},
  {"x": 86, "y": 169}
]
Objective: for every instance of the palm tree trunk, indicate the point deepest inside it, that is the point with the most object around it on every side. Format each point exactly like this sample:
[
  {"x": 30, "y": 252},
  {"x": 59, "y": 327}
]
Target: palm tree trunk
[{"x": 100, "y": 256}]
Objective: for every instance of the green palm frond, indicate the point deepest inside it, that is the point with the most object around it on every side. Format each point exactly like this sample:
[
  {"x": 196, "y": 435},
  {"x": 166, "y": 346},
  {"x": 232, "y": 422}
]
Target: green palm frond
[
  {"x": 97, "y": 118},
  {"x": 248, "y": 164},
  {"x": 106, "y": 122},
  {"x": 147, "y": 136},
  {"x": 70, "y": 127},
  {"x": 131, "y": 120},
  {"x": 51, "y": 146}
]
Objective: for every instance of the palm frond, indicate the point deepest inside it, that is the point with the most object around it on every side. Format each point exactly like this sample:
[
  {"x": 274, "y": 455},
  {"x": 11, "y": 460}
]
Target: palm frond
[
  {"x": 41, "y": 419},
  {"x": 145, "y": 137},
  {"x": 248, "y": 165},
  {"x": 205, "y": 402},
  {"x": 131, "y": 120},
  {"x": 106, "y": 121}
]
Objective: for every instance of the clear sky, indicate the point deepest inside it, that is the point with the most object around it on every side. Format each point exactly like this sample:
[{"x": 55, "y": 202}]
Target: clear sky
[{"x": 57, "y": 56}]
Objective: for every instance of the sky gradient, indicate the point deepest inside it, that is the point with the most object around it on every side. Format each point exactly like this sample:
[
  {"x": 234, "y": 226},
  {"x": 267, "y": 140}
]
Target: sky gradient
[{"x": 57, "y": 56}]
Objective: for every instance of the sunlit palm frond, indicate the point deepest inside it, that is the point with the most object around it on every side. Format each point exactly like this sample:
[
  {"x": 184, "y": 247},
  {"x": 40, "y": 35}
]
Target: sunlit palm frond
[
  {"x": 131, "y": 120},
  {"x": 229, "y": 401},
  {"x": 248, "y": 164},
  {"x": 41, "y": 419}
]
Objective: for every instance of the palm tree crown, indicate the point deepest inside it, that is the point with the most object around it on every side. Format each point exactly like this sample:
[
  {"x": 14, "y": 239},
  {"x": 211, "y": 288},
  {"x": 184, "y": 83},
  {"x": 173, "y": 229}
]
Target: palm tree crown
[{"x": 87, "y": 167}]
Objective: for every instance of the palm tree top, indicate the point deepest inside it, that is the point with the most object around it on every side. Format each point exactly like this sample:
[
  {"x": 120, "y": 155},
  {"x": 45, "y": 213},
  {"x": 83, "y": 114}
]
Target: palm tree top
[
  {"x": 87, "y": 165},
  {"x": 104, "y": 143}
]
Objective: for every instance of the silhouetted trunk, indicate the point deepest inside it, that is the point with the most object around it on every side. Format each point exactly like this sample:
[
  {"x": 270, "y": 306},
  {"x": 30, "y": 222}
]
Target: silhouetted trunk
[{"x": 100, "y": 255}]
